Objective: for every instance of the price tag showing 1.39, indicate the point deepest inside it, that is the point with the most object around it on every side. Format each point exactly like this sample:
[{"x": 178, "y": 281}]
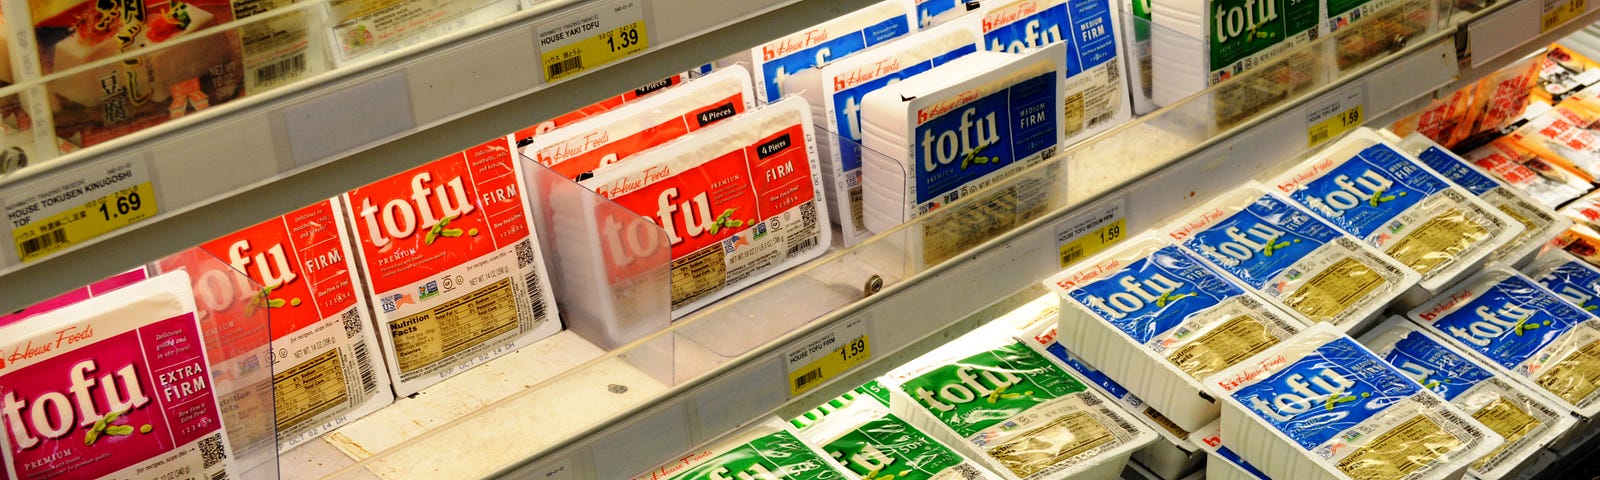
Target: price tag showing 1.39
[
  {"x": 590, "y": 39},
  {"x": 827, "y": 354},
  {"x": 50, "y": 216}
]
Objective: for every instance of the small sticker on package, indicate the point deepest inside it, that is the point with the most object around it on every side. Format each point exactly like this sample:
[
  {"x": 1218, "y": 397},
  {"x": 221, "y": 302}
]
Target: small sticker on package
[
  {"x": 1549, "y": 184},
  {"x": 451, "y": 264},
  {"x": 1001, "y": 402},
  {"x": 1093, "y": 94},
  {"x": 1527, "y": 420},
  {"x": 1367, "y": 187},
  {"x": 1540, "y": 223},
  {"x": 835, "y": 91},
  {"x": 1159, "y": 318},
  {"x": 1525, "y": 331},
  {"x": 770, "y": 63},
  {"x": 1291, "y": 256},
  {"x": 739, "y": 201},
  {"x": 1321, "y": 405},
  {"x": 767, "y": 450},
  {"x": 116, "y": 386},
  {"x": 329, "y": 371},
  {"x": 859, "y": 432}
]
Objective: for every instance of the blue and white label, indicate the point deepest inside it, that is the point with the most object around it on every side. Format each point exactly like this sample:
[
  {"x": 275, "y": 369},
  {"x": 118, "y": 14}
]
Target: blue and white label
[
  {"x": 928, "y": 10},
  {"x": 1326, "y": 393},
  {"x": 1575, "y": 282},
  {"x": 1511, "y": 321},
  {"x": 974, "y": 140},
  {"x": 847, "y": 102},
  {"x": 1435, "y": 366},
  {"x": 1089, "y": 373},
  {"x": 1237, "y": 461},
  {"x": 775, "y": 70},
  {"x": 1367, "y": 191},
  {"x": 1261, "y": 241},
  {"x": 1155, "y": 294},
  {"x": 1457, "y": 170},
  {"x": 1084, "y": 25}
]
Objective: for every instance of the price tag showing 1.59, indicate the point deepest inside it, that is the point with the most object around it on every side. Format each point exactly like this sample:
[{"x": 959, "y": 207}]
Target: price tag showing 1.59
[
  {"x": 73, "y": 209},
  {"x": 1559, "y": 12},
  {"x": 601, "y": 35},
  {"x": 1332, "y": 118},
  {"x": 1087, "y": 233},
  {"x": 827, "y": 354}
]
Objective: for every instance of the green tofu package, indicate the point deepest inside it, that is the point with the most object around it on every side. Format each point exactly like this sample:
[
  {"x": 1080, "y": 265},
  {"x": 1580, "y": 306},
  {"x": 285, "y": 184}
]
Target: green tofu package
[
  {"x": 858, "y": 431},
  {"x": 766, "y": 450}
]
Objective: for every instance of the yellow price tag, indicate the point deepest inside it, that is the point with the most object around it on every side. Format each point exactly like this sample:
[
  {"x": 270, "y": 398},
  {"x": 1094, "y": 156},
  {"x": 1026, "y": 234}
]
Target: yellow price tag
[
  {"x": 1335, "y": 125},
  {"x": 840, "y": 359},
  {"x": 1093, "y": 241},
  {"x": 596, "y": 51},
  {"x": 1558, "y": 13},
  {"x": 91, "y": 219}
]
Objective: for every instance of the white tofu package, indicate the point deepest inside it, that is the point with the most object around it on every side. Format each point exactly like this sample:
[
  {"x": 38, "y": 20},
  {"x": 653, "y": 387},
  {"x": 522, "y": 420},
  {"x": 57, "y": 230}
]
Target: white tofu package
[
  {"x": 1527, "y": 420},
  {"x": 1572, "y": 278},
  {"x": 858, "y": 431},
  {"x": 769, "y": 449},
  {"x": 770, "y": 63},
  {"x": 1200, "y": 43},
  {"x": 740, "y": 201},
  {"x": 1002, "y": 403},
  {"x": 1525, "y": 331},
  {"x": 1170, "y": 456},
  {"x": 115, "y": 386},
  {"x": 1160, "y": 320},
  {"x": 1137, "y": 26},
  {"x": 1540, "y": 223},
  {"x": 932, "y": 13},
  {"x": 948, "y": 133},
  {"x": 1224, "y": 464},
  {"x": 421, "y": 235},
  {"x": 1094, "y": 93},
  {"x": 1367, "y": 187},
  {"x": 835, "y": 91},
  {"x": 1321, "y": 406},
  {"x": 1292, "y": 257}
]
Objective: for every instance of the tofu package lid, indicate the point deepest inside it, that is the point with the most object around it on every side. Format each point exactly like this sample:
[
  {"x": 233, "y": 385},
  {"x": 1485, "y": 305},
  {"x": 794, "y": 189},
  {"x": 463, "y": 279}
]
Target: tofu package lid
[
  {"x": 773, "y": 61},
  {"x": 1292, "y": 257},
  {"x": 769, "y": 448},
  {"x": 1526, "y": 419},
  {"x": 933, "y": 127},
  {"x": 1525, "y": 331},
  {"x": 1368, "y": 187},
  {"x": 858, "y": 431},
  {"x": 1224, "y": 464},
  {"x": 1540, "y": 223},
  {"x": 1158, "y": 318},
  {"x": 144, "y": 346},
  {"x": 1321, "y": 406},
  {"x": 1072, "y": 431}
]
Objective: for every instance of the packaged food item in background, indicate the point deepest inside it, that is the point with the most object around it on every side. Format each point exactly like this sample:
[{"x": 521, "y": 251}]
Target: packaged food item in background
[
  {"x": 451, "y": 265},
  {"x": 1366, "y": 186},
  {"x": 768, "y": 449},
  {"x": 858, "y": 431},
  {"x": 1525, "y": 331},
  {"x": 1447, "y": 120},
  {"x": 1549, "y": 184},
  {"x": 740, "y": 201},
  {"x": 770, "y": 63},
  {"x": 1527, "y": 420},
  {"x": 1562, "y": 70},
  {"x": 1321, "y": 405},
  {"x": 115, "y": 386},
  {"x": 1002, "y": 403},
  {"x": 932, "y": 13},
  {"x": 1291, "y": 256},
  {"x": 1094, "y": 95},
  {"x": 1562, "y": 135},
  {"x": 77, "y": 295},
  {"x": 521, "y": 138},
  {"x": 1151, "y": 314},
  {"x": 1135, "y": 18},
  {"x": 1540, "y": 223},
  {"x": 1199, "y": 44},
  {"x": 359, "y": 28}
]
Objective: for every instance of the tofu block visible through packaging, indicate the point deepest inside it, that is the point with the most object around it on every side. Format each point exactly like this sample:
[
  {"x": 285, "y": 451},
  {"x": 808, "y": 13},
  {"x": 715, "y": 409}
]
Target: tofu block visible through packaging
[
  {"x": 974, "y": 393},
  {"x": 1292, "y": 257},
  {"x": 1367, "y": 187},
  {"x": 1321, "y": 406},
  {"x": 1160, "y": 319},
  {"x": 1524, "y": 331},
  {"x": 1526, "y": 419}
]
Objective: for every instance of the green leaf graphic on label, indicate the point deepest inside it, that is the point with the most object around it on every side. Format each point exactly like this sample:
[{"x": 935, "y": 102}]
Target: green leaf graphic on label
[
  {"x": 1168, "y": 297},
  {"x": 1273, "y": 245},
  {"x": 972, "y": 156},
  {"x": 1014, "y": 377},
  {"x": 776, "y": 456}
]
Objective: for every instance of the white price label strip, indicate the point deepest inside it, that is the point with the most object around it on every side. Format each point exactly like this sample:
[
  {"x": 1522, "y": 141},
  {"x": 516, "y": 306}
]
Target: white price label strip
[
  {"x": 826, "y": 355},
  {"x": 1089, "y": 232}
]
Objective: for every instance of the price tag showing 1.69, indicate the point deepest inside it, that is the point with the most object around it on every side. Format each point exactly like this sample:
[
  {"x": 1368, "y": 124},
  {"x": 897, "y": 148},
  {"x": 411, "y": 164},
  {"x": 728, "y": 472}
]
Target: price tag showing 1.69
[
  {"x": 827, "y": 354},
  {"x": 606, "y": 33},
  {"x": 1558, "y": 12},
  {"x": 50, "y": 216}
]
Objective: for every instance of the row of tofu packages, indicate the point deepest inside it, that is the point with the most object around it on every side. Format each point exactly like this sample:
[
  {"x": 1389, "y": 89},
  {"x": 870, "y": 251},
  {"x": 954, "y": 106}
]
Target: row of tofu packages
[{"x": 348, "y": 303}]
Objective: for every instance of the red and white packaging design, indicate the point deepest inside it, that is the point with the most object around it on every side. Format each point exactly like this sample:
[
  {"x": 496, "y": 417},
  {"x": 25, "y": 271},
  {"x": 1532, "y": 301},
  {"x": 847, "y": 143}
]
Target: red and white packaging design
[
  {"x": 740, "y": 201},
  {"x": 525, "y": 136},
  {"x": 452, "y": 265},
  {"x": 117, "y": 386},
  {"x": 80, "y": 294},
  {"x": 327, "y": 371},
  {"x": 1515, "y": 165}
]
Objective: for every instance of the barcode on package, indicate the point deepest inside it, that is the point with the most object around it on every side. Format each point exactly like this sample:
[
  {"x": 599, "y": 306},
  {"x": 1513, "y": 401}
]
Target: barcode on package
[
  {"x": 369, "y": 379},
  {"x": 351, "y": 319},
  {"x": 43, "y": 242},
  {"x": 281, "y": 71},
  {"x": 525, "y": 256},
  {"x": 211, "y": 451},
  {"x": 220, "y": 475},
  {"x": 558, "y": 68}
]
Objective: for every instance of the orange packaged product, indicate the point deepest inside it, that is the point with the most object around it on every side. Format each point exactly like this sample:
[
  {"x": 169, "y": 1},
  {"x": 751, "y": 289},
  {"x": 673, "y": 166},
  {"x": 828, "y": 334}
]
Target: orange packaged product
[
  {"x": 1561, "y": 70},
  {"x": 1526, "y": 170},
  {"x": 1446, "y": 121},
  {"x": 1500, "y": 98}
]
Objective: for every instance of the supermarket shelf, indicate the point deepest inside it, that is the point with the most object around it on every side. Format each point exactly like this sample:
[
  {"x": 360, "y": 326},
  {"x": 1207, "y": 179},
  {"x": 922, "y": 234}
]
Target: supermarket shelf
[{"x": 257, "y": 157}]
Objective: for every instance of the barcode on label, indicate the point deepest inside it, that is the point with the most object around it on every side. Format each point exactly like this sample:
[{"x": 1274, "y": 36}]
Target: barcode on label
[
  {"x": 525, "y": 256},
  {"x": 220, "y": 475},
  {"x": 1071, "y": 254},
  {"x": 281, "y": 70},
  {"x": 42, "y": 242},
  {"x": 807, "y": 378},
  {"x": 211, "y": 451},
  {"x": 558, "y": 68},
  {"x": 1318, "y": 135},
  {"x": 369, "y": 379},
  {"x": 802, "y": 246}
]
